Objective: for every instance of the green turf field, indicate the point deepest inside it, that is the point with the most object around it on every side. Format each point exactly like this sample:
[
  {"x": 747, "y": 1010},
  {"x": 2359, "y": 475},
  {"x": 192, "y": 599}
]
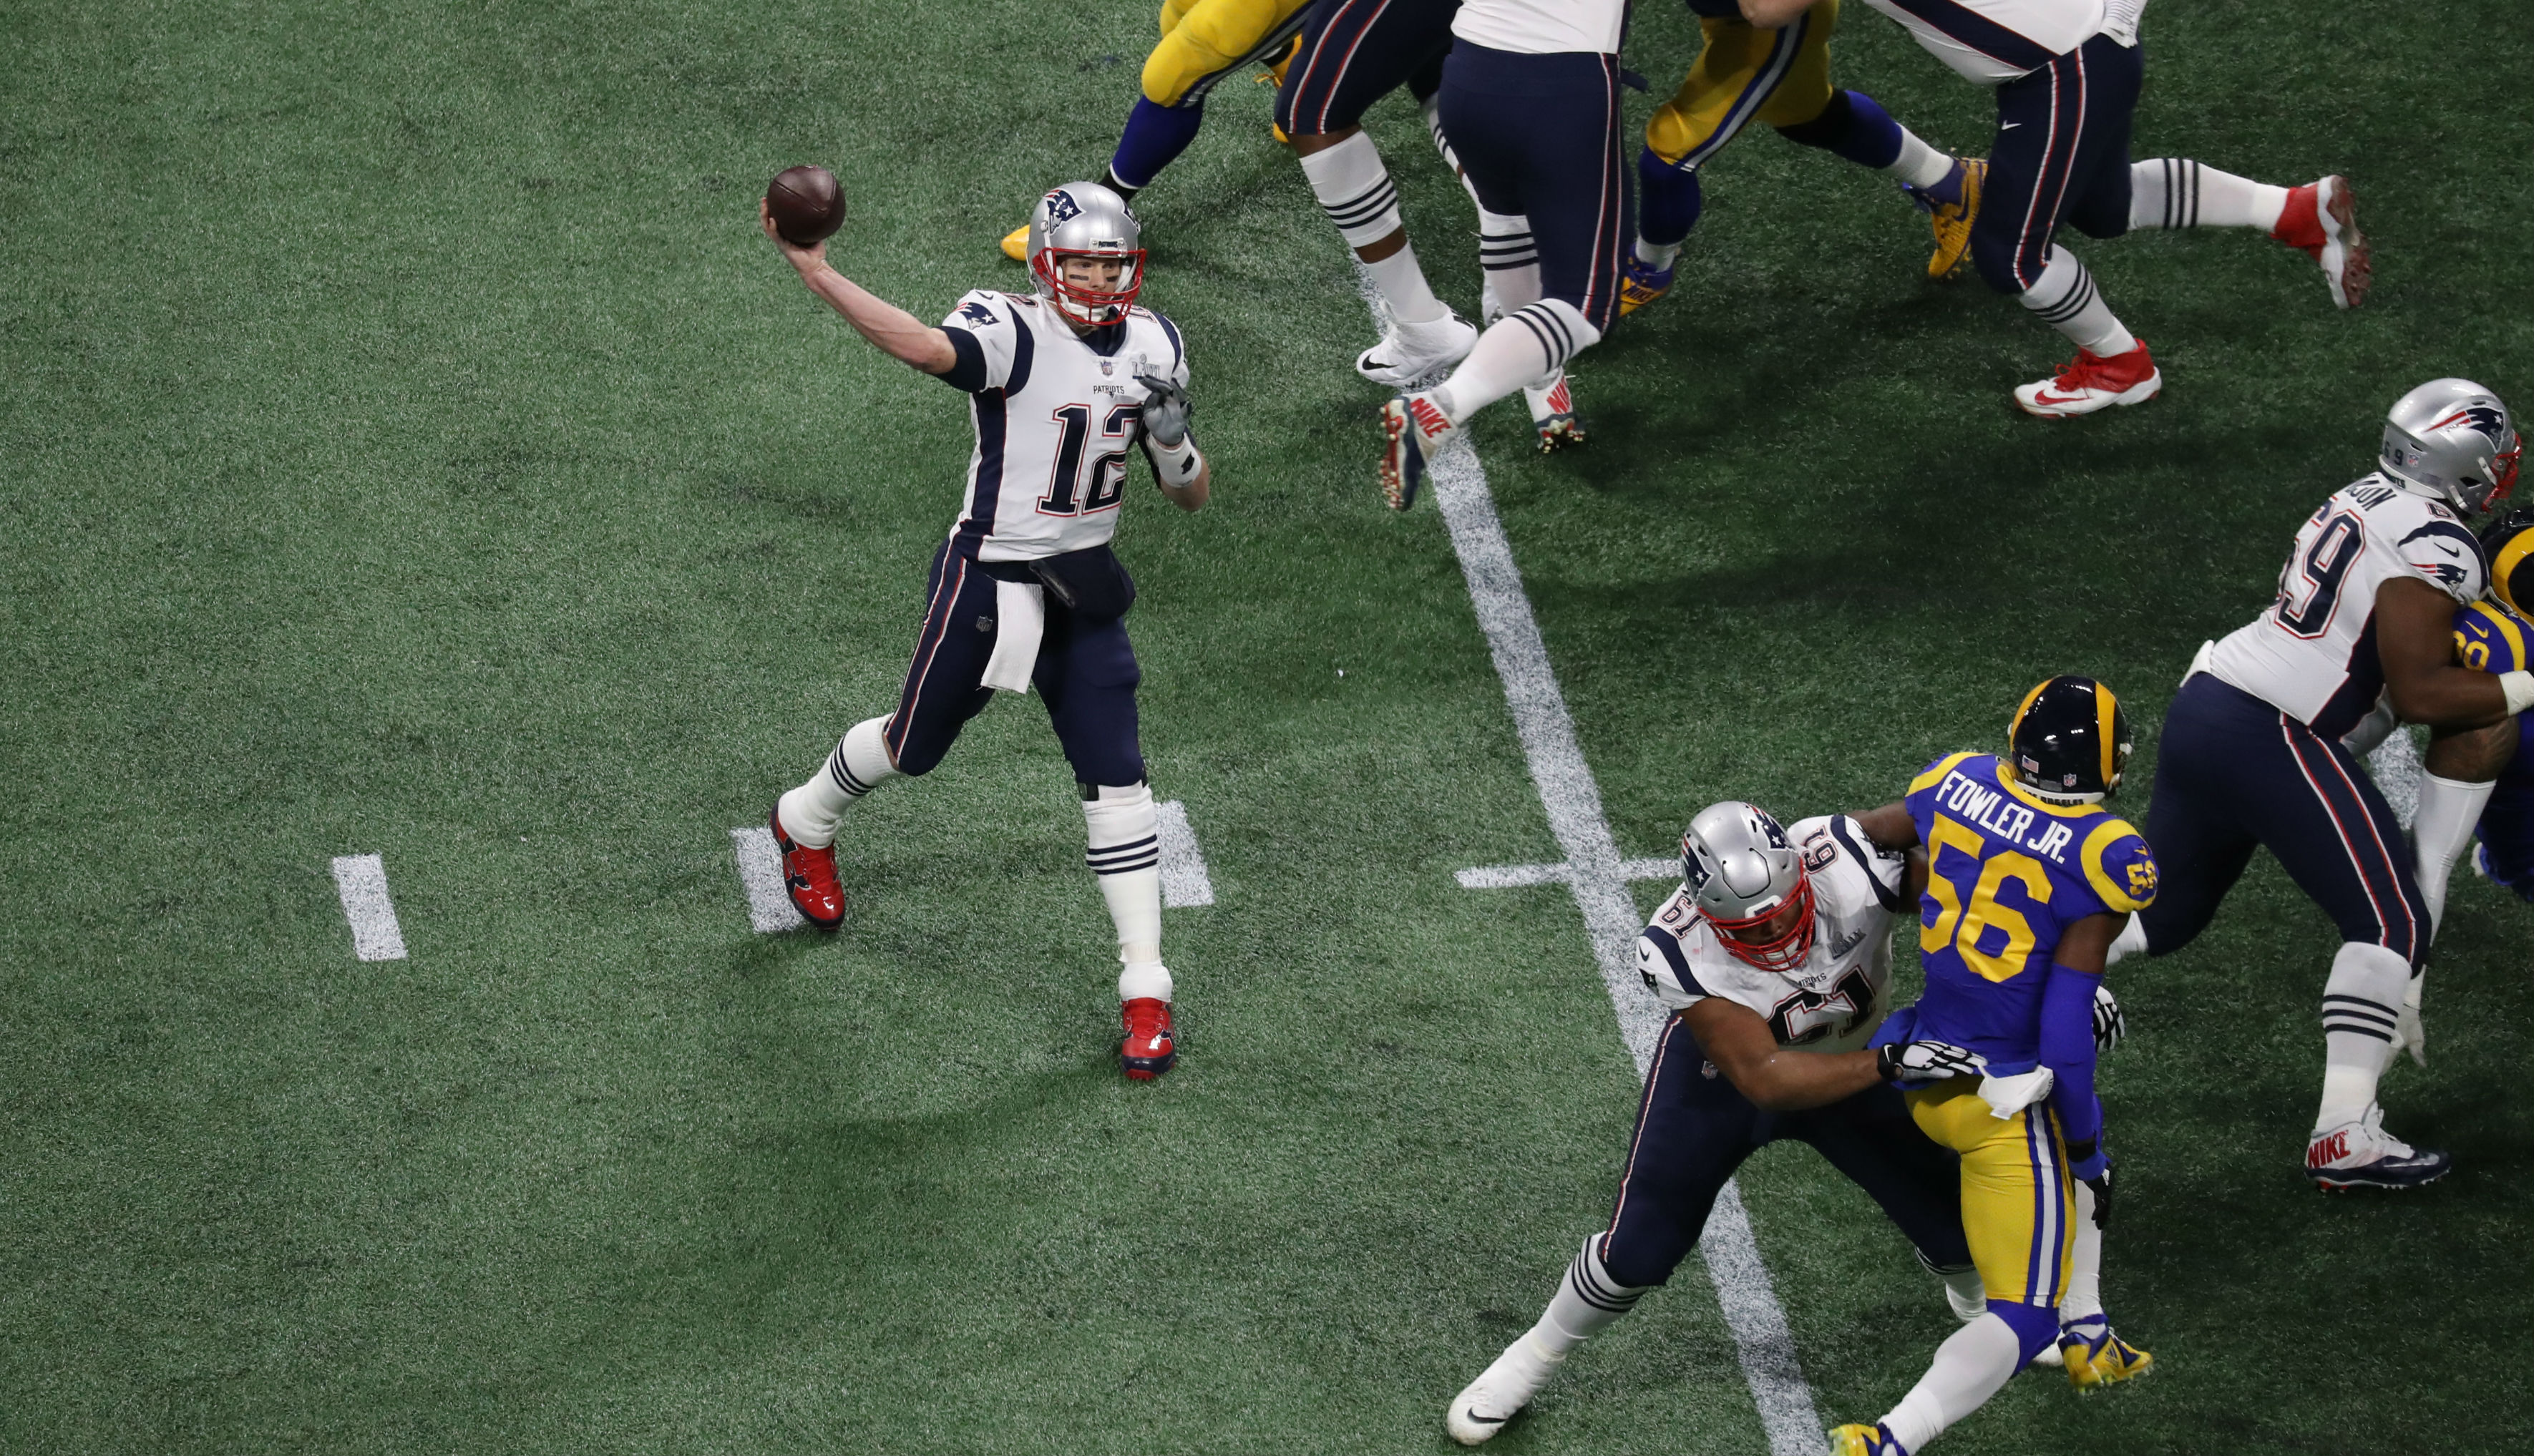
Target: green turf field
[{"x": 409, "y": 447}]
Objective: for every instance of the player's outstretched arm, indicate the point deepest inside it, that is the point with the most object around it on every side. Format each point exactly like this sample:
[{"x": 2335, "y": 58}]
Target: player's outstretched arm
[
  {"x": 901, "y": 335},
  {"x": 2415, "y": 642},
  {"x": 1776, "y": 1079}
]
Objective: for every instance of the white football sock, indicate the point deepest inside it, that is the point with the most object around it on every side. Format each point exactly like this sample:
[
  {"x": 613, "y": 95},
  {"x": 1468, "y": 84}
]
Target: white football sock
[
  {"x": 1964, "y": 1291},
  {"x": 1355, "y": 191},
  {"x": 2132, "y": 940},
  {"x": 1657, "y": 255},
  {"x": 2443, "y": 830},
  {"x": 2067, "y": 299},
  {"x": 1524, "y": 346},
  {"x": 811, "y": 812},
  {"x": 2176, "y": 192},
  {"x": 2084, "y": 1294},
  {"x": 2359, "y": 1000},
  {"x": 1919, "y": 164},
  {"x": 1127, "y": 854},
  {"x": 1510, "y": 261},
  {"x": 1588, "y": 1301},
  {"x": 1972, "y": 1364}
]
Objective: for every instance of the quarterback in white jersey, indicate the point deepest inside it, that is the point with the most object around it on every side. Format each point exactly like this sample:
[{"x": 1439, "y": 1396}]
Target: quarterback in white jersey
[
  {"x": 2254, "y": 752},
  {"x": 1775, "y": 956},
  {"x": 1062, "y": 384}
]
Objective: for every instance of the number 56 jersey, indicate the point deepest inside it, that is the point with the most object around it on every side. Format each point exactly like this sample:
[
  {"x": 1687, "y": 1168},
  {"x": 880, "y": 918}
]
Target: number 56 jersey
[
  {"x": 1836, "y": 999},
  {"x": 2007, "y": 874},
  {"x": 2313, "y": 654}
]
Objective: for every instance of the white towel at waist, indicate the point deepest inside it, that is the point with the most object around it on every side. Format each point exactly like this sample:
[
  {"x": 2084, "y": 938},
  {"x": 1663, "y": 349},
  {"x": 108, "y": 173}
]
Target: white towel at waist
[{"x": 1020, "y": 620}]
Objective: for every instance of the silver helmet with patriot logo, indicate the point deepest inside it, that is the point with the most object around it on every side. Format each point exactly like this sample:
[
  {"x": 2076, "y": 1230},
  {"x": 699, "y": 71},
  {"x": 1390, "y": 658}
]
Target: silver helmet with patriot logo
[
  {"x": 1085, "y": 220},
  {"x": 1743, "y": 873},
  {"x": 2453, "y": 439}
]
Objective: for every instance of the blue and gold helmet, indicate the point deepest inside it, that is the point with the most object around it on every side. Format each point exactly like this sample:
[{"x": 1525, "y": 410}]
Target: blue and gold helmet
[
  {"x": 2509, "y": 545},
  {"x": 2069, "y": 742}
]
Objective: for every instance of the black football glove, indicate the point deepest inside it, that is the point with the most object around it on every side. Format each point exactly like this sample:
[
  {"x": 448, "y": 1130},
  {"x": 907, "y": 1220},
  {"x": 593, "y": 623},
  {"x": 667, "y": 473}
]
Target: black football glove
[
  {"x": 1927, "y": 1061},
  {"x": 1166, "y": 412}
]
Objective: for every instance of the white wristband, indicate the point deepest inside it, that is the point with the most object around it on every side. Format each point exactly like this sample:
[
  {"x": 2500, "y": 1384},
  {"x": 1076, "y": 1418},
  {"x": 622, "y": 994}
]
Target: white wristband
[
  {"x": 2519, "y": 688},
  {"x": 1176, "y": 465}
]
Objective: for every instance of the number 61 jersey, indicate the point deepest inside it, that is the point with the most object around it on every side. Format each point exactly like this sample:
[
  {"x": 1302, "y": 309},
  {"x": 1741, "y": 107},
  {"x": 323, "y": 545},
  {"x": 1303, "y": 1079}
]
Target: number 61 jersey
[
  {"x": 1057, "y": 412},
  {"x": 2312, "y": 653},
  {"x": 1836, "y": 999}
]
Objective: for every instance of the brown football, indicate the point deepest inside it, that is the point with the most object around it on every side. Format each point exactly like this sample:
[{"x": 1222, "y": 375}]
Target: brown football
[{"x": 807, "y": 205}]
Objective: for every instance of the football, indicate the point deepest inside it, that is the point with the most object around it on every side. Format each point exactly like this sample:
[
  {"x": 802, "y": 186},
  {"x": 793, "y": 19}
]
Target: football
[{"x": 807, "y": 205}]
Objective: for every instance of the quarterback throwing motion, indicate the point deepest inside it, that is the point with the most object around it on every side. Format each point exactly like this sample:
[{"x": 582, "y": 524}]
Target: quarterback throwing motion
[{"x": 1062, "y": 384}]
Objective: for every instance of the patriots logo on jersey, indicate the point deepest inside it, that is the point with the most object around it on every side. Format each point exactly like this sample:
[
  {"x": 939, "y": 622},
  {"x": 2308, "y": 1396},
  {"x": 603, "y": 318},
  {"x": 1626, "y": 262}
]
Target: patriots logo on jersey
[
  {"x": 1061, "y": 207},
  {"x": 976, "y": 311},
  {"x": 2458, "y": 545}
]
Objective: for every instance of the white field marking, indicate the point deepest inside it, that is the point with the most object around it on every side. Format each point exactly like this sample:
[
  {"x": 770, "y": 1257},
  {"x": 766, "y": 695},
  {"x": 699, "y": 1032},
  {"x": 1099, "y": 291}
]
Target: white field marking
[
  {"x": 1598, "y": 877},
  {"x": 760, "y": 874},
  {"x": 2397, "y": 768},
  {"x": 361, "y": 881},
  {"x": 1512, "y": 876},
  {"x": 1183, "y": 877}
]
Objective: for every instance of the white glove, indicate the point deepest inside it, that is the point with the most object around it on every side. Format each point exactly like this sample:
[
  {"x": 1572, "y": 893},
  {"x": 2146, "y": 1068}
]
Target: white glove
[
  {"x": 2109, "y": 1028},
  {"x": 1927, "y": 1061},
  {"x": 2408, "y": 1034}
]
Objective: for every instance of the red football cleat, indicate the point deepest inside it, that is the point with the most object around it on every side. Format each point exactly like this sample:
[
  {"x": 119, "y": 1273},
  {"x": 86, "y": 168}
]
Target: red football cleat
[
  {"x": 1147, "y": 1051},
  {"x": 809, "y": 877},
  {"x": 2092, "y": 382},
  {"x": 2320, "y": 219}
]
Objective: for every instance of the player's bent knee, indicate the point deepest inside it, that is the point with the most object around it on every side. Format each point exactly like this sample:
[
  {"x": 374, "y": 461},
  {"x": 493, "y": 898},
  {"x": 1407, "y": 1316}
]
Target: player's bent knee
[
  {"x": 2035, "y": 1326},
  {"x": 1824, "y": 127}
]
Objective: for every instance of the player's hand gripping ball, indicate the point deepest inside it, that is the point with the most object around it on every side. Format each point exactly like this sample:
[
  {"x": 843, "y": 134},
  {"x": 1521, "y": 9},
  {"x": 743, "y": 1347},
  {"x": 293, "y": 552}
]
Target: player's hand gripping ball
[{"x": 805, "y": 205}]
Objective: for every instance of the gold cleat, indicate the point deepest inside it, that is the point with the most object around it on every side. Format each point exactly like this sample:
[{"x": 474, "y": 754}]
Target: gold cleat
[
  {"x": 2097, "y": 1358},
  {"x": 1856, "y": 1440},
  {"x": 1016, "y": 244},
  {"x": 1951, "y": 221}
]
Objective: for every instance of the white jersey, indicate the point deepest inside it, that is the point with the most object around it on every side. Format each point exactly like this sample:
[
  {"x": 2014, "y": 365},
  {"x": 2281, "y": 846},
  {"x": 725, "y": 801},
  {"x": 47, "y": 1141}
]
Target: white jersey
[
  {"x": 1543, "y": 27},
  {"x": 1055, "y": 420},
  {"x": 1840, "y": 994},
  {"x": 2312, "y": 653},
  {"x": 1994, "y": 40}
]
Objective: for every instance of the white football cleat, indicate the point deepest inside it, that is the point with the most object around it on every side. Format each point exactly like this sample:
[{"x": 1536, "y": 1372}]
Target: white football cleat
[
  {"x": 1552, "y": 413},
  {"x": 2362, "y": 1154},
  {"x": 1412, "y": 428},
  {"x": 2092, "y": 382},
  {"x": 1410, "y": 352},
  {"x": 1486, "y": 1403}
]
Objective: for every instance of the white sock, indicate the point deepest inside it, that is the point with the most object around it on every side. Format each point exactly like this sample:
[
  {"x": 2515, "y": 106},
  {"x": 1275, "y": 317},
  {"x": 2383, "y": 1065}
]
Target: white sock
[
  {"x": 2448, "y": 810},
  {"x": 1521, "y": 347},
  {"x": 1509, "y": 260},
  {"x": 1355, "y": 191},
  {"x": 1919, "y": 164},
  {"x": 1971, "y": 1365},
  {"x": 2084, "y": 1294},
  {"x": 811, "y": 812},
  {"x": 1965, "y": 1293},
  {"x": 1657, "y": 255},
  {"x": 1127, "y": 854},
  {"x": 2132, "y": 940},
  {"x": 2359, "y": 1000},
  {"x": 2067, "y": 300},
  {"x": 1586, "y": 1302},
  {"x": 1404, "y": 287},
  {"x": 2176, "y": 192}
]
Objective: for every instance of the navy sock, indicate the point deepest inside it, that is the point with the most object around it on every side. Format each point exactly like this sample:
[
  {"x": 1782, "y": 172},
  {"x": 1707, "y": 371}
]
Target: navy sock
[
  {"x": 1853, "y": 127},
  {"x": 1668, "y": 199},
  {"x": 1155, "y": 136}
]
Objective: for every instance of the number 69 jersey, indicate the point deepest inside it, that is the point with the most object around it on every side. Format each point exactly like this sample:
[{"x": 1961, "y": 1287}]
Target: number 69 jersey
[
  {"x": 1055, "y": 413},
  {"x": 2312, "y": 653},
  {"x": 1834, "y": 1001}
]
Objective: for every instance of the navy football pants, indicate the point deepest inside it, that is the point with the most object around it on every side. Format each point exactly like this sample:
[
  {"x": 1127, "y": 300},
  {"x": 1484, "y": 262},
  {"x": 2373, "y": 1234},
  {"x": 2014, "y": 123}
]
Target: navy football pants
[
  {"x": 1354, "y": 53},
  {"x": 1540, "y": 137},
  {"x": 2061, "y": 154},
  {"x": 2233, "y": 773},
  {"x": 1693, "y": 1130},
  {"x": 1085, "y": 672}
]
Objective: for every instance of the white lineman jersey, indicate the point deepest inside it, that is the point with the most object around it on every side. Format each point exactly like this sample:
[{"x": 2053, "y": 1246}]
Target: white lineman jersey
[
  {"x": 1543, "y": 27},
  {"x": 2312, "y": 653},
  {"x": 1840, "y": 994},
  {"x": 1989, "y": 42},
  {"x": 1055, "y": 418}
]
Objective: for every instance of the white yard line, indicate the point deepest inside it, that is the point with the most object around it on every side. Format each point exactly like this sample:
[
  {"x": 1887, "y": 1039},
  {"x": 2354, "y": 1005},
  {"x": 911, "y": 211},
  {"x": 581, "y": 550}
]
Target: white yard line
[
  {"x": 1183, "y": 878},
  {"x": 760, "y": 874},
  {"x": 1598, "y": 877},
  {"x": 1512, "y": 876},
  {"x": 361, "y": 881}
]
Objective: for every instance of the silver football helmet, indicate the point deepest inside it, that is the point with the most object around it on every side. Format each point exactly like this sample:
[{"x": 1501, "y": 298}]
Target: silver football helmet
[
  {"x": 2453, "y": 439},
  {"x": 1084, "y": 219},
  {"x": 1741, "y": 872}
]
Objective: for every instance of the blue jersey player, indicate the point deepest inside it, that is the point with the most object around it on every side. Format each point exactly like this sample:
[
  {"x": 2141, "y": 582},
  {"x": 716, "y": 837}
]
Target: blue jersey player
[
  {"x": 2030, "y": 878},
  {"x": 2497, "y": 636}
]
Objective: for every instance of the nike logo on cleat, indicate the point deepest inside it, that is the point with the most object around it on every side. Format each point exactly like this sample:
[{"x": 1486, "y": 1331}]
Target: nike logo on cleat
[
  {"x": 2329, "y": 1150},
  {"x": 1471, "y": 1412}
]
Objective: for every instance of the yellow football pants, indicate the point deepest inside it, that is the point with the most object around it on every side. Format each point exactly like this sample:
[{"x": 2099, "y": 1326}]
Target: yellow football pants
[
  {"x": 1742, "y": 74},
  {"x": 1205, "y": 40},
  {"x": 2017, "y": 1194}
]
